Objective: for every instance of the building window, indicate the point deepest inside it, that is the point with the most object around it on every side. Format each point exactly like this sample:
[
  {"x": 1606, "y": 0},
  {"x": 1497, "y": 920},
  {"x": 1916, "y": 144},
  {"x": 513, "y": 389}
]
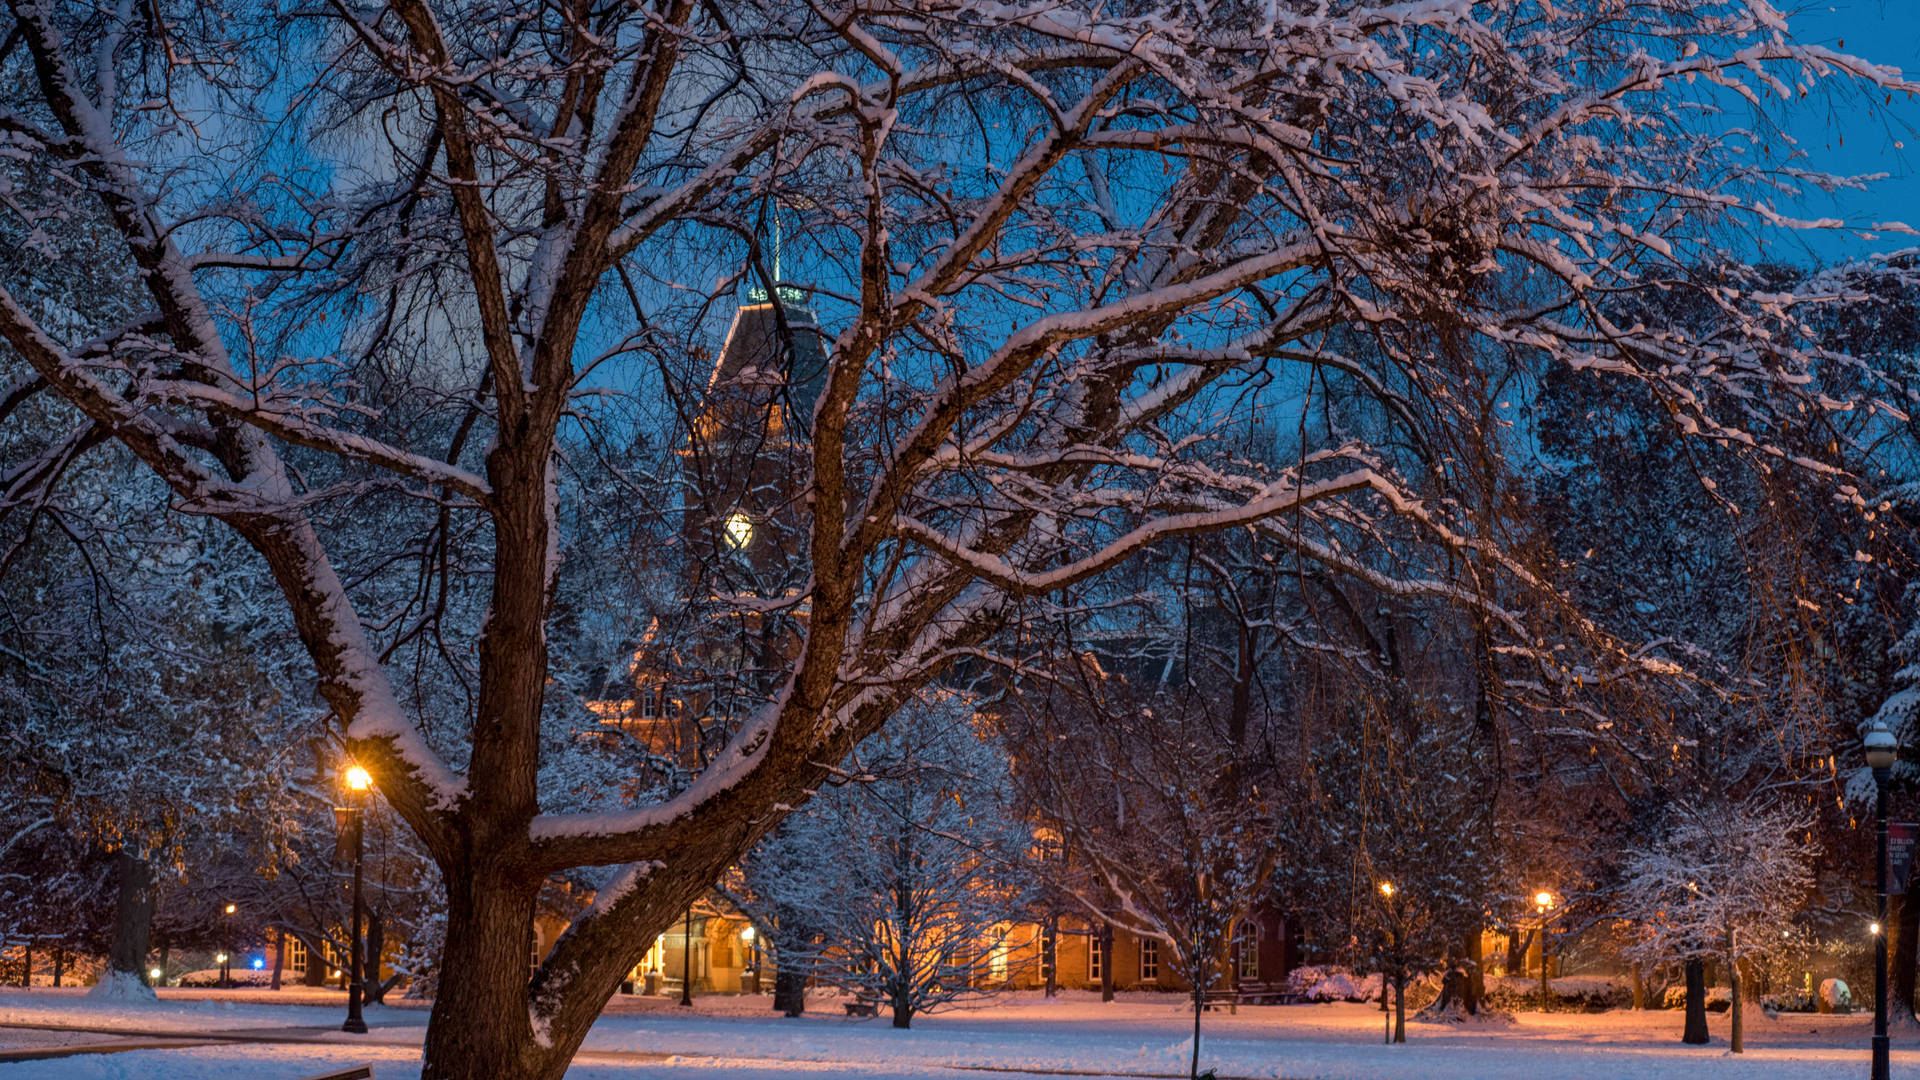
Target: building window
[
  {"x": 1149, "y": 960},
  {"x": 297, "y": 955},
  {"x": 1096, "y": 959},
  {"x": 649, "y": 703},
  {"x": 1247, "y": 950}
]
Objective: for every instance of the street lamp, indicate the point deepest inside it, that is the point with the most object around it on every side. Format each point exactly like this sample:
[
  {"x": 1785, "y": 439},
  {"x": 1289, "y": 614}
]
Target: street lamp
[
  {"x": 348, "y": 819},
  {"x": 1398, "y": 959},
  {"x": 1543, "y": 902},
  {"x": 226, "y": 942},
  {"x": 1881, "y": 751},
  {"x": 686, "y": 959}
]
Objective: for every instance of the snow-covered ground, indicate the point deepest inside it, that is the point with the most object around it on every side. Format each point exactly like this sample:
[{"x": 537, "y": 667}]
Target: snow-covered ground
[{"x": 1139, "y": 1035}]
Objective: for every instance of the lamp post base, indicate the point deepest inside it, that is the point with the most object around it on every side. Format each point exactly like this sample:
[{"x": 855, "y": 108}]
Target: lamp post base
[
  {"x": 1880, "y": 1057},
  {"x": 355, "y": 1025}
]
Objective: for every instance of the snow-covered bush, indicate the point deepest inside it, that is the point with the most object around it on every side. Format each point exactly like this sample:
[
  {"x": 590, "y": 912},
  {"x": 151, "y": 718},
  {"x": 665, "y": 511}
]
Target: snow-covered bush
[
  {"x": 1835, "y": 996},
  {"x": 1790, "y": 1001},
  {"x": 1572, "y": 993},
  {"x": 1331, "y": 982},
  {"x": 1719, "y": 998},
  {"x": 210, "y": 977}
]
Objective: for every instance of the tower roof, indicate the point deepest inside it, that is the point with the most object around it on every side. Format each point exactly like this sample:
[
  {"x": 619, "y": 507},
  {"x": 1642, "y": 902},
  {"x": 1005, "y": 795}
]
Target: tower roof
[{"x": 755, "y": 360}]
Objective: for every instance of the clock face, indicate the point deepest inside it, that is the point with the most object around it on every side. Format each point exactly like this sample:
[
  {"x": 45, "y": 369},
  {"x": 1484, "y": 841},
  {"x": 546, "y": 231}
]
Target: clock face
[{"x": 738, "y": 531}]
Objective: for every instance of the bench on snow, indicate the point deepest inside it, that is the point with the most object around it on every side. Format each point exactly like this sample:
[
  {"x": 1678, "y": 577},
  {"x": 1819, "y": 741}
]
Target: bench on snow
[
  {"x": 864, "y": 1007},
  {"x": 358, "y": 1072}
]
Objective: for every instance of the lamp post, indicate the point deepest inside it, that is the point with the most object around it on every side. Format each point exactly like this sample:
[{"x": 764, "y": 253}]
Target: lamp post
[
  {"x": 686, "y": 959},
  {"x": 1881, "y": 751},
  {"x": 226, "y": 947},
  {"x": 1397, "y": 952},
  {"x": 357, "y": 782},
  {"x": 1543, "y": 902}
]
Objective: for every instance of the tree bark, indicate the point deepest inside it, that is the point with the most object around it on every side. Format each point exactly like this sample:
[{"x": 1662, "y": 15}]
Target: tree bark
[
  {"x": 1639, "y": 988},
  {"x": 1906, "y": 949},
  {"x": 789, "y": 974},
  {"x": 1737, "y": 1029},
  {"x": 132, "y": 930},
  {"x": 1696, "y": 1030},
  {"x": 279, "y": 957},
  {"x": 374, "y": 991},
  {"x": 902, "y": 1005},
  {"x": 480, "y": 1028},
  {"x": 1400, "y": 1006},
  {"x": 1106, "y": 962},
  {"x": 1476, "y": 987}
]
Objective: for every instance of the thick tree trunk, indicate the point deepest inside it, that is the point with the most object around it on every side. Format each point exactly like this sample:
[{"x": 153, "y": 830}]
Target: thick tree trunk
[
  {"x": 1053, "y": 955},
  {"x": 1639, "y": 987},
  {"x": 902, "y": 1006},
  {"x": 790, "y": 988},
  {"x": 1106, "y": 962},
  {"x": 1476, "y": 988},
  {"x": 480, "y": 1028},
  {"x": 126, "y": 974},
  {"x": 316, "y": 973},
  {"x": 279, "y": 957},
  {"x": 1906, "y": 949},
  {"x": 1738, "y": 1029},
  {"x": 1400, "y": 1007},
  {"x": 373, "y": 990},
  {"x": 1696, "y": 1030},
  {"x": 1517, "y": 946},
  {"x": 790, "y": 974}
]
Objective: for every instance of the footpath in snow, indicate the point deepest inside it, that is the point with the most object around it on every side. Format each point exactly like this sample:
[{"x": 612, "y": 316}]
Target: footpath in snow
[{"x": 1138, "y": 1035}]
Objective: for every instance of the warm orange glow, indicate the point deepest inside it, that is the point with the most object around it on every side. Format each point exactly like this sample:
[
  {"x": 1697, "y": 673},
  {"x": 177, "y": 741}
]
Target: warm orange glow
[
  {"x": 1543, "y": 898},
  {"x": 1386, "y": 888},
  {"x": 231, "y": 909},
  {"x": 358, "y": 779}
]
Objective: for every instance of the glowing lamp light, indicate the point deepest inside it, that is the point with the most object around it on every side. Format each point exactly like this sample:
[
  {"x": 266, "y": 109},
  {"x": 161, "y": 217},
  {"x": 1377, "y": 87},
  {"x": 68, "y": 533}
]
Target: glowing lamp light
[
  {"x": 231, "y": 909},
  {"x": 1386, "y": 888},
  {"x": 1873, "y": 929},
  {"x": 156, "y": 974},
  {"x": 358, "y": 779},
  {"x": 738, "y": 530},
  {"x": 221, "y": 958},
  {"x": 258, "y": 963},
  {"x": 1543, "y": 898},
  {"x": 747, "y": 934}
]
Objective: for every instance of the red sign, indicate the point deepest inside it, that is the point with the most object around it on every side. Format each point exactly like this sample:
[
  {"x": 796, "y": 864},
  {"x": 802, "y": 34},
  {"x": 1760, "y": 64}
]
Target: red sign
[{"x": 1900, "y": 839}]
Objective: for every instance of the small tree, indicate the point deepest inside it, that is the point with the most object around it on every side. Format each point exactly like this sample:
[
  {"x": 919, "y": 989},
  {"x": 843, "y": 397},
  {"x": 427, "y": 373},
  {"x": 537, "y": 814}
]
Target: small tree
[
  {"x": 1721, "y": 881},
  {"x": 911, "y": 871}
]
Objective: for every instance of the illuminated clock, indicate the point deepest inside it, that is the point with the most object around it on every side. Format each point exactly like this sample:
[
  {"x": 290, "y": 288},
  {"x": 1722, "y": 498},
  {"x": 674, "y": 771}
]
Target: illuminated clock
[{"x": 738, "y": 530}]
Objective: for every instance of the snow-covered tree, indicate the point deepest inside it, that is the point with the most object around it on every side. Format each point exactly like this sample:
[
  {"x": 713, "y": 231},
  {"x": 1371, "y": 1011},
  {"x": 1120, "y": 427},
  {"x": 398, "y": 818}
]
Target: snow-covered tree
[
  {"x": 427, "y": 242},
  {"x": 911, "y": 871},
  {"x": 1720, "y": 880}
]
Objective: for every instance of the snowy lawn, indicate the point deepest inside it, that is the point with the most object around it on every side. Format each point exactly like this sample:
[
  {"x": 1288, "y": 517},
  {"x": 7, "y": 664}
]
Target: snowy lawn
[{"x": 1137, "y": 1035}]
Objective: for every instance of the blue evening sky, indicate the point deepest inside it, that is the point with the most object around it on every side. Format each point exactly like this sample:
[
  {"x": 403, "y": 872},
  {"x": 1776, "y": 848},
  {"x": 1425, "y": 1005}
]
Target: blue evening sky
[{"x": 1854, "y": 133}]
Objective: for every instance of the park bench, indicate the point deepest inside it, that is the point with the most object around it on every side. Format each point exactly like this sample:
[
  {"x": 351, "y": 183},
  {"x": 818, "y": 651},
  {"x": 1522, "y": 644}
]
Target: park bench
[
  {"x": 1227, "y": 996},
  {"x": 358, "y": 1072},
  {"x": 864, "y": 1007}
]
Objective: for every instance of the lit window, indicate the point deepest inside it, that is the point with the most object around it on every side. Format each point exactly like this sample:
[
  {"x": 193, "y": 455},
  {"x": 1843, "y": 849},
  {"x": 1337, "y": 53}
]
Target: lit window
[
  {"x": 649, "y": 703},
  {"x": 297, "y": 954},
  {"x": 1248, "y": 950},
  {"x": 1149, "y": 960},
  {"x": 1096, "y": 959}
]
